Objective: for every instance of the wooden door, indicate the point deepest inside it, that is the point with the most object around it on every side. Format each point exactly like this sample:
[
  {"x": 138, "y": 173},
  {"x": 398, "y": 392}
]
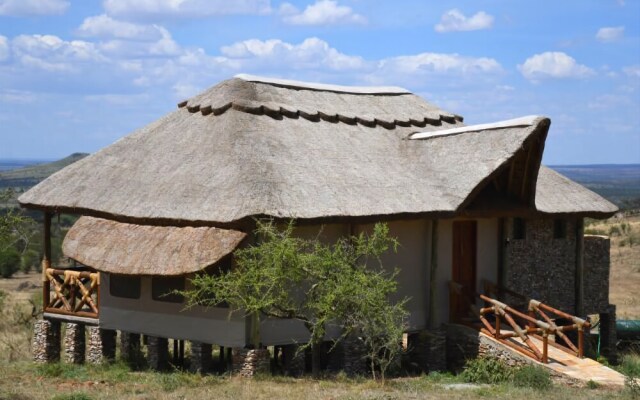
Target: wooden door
[{"x": 464, "y": 267}]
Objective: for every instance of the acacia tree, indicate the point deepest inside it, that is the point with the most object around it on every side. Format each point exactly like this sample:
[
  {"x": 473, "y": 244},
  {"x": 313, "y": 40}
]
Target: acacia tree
[
  {"x": 288, "y": 277},
  {"x": 14, "y": 234}
]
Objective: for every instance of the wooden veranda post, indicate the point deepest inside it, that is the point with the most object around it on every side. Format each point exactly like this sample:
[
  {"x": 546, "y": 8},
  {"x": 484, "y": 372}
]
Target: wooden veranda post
[
  {"x": 46, "y": 258},
  {"x": 433, "y": 274}
]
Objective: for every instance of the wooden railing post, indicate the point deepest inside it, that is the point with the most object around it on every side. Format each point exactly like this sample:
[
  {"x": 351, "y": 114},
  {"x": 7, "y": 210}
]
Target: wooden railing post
[
  {"x": 497, "y": 325},
  {"x": 580, "y": 341},
  {"x": 545, "y": 345}
]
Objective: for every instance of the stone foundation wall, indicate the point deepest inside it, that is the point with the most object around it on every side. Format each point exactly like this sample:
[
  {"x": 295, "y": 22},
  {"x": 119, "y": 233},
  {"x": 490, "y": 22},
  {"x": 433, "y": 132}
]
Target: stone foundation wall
[
  {"x": 74, "y": 343},
  {"x": 596, "y": 274},
  {"x": 248, "y": 362},
  {"x": 201, "y": 358},
  {"x": 427, "y": 350},
  {"x": 541, "y": 267},
  {"x": 157, "y": 353},
  {"x": 293, "y": 361},
  {"x": 102, "y": 345},
  {"x": 45, "y": 344},
  {"x": 464, "y": 343}
]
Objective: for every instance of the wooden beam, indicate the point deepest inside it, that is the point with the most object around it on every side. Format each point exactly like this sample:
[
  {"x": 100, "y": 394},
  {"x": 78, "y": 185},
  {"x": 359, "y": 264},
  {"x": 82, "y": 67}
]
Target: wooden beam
[
  {"x": 46, "y": 241},
  {"x": 433, "y": 274}
]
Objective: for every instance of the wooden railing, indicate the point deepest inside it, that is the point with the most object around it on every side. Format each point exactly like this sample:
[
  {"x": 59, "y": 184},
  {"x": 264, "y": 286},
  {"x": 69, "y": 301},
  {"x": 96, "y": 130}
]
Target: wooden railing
[
  {"x": 71, "y": 292},
  {"x": 524, "y": 326}
]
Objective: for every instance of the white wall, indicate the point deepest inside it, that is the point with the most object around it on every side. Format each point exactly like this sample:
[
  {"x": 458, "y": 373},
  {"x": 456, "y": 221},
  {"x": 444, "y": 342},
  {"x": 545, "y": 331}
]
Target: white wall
[
  {"x": 170, "y": 320},
  {"x": 413, "y": 258}
]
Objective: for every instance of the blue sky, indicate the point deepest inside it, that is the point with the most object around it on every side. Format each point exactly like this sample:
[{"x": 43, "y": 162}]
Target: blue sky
[{"x": 78, "y": 75}]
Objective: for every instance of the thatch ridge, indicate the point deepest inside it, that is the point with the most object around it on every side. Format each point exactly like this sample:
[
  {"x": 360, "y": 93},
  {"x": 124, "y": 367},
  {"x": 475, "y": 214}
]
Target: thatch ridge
[
  {"x": 368, "y": 109},
  {"x": 131, "y": 249}
]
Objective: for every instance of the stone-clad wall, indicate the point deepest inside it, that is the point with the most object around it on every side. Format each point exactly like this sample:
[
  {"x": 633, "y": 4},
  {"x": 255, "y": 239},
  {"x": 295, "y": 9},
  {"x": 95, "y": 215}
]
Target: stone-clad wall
[
  {"x": 542, "y": 267},
  {"x": 596, "y": 274}
]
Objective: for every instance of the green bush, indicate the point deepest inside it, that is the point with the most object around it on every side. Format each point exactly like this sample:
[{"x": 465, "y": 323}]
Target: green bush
[
  {"x": 30, "y": 260},
  {"x": 630, "y": 365},
  {"x": 9, "y": 262},
  {"x": 532, "y": 377},
  {"x": 487, "y": 370}
]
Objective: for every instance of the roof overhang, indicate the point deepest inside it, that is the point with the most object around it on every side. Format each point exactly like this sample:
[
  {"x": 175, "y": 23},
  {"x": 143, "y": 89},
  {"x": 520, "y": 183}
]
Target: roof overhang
[{"x": 130, "y": 249}]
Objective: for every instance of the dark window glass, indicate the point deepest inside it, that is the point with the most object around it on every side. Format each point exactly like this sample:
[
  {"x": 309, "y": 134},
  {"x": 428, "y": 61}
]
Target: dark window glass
[
  {"x": 519, "y": 228},
  {"x": 124, "y": 286},
  {"x": 163, "y": 286},
  {"x": 559, "y": 229}
]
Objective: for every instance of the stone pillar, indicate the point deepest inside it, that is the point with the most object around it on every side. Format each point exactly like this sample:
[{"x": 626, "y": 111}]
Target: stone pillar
[
  {"x": 249, "y": 362},
  {"x": 130, "y": 347},
  {"x": 200, "y": 357},
  {"x": 102, "y": 345},
  {"x": 293, "y": 362},
  {"x": 46, "y": 341},
  {"x": 354, "y": 356},
  {"x": 608, "y": 334},
  {"x": 74, "y": 343},
  {"x": 157, "y": 353}
]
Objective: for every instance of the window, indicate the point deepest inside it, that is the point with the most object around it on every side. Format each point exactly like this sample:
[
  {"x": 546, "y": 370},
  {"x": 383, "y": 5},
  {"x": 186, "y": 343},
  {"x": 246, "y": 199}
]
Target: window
[
  {"x": 163, "y": 286},
  {"x": 126, "y": 286},
  {"x": 559, "y": 229},
  {"x": 519, "y": 229}
]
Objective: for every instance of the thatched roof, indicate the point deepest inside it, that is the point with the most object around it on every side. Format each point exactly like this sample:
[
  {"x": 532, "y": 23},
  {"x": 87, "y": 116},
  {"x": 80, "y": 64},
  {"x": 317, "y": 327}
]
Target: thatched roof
[
  {"x": 130, "y": 249},
  {"x": 245, "y": 148},
  {"x": 557, "y": 194}
]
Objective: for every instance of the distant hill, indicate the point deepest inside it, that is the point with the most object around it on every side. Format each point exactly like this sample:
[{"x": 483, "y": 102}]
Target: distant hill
[
  {"x": 619, "y": 183},
  {"x": 32, "y": 175}
]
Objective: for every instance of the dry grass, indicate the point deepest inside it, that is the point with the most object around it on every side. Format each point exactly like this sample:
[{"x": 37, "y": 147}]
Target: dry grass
[{"x": 625, "y": 263}]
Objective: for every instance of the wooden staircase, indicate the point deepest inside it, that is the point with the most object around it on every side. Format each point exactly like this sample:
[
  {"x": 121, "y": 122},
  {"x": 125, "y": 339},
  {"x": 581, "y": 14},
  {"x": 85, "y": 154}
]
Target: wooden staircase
[{"x": 539, "y": 334}]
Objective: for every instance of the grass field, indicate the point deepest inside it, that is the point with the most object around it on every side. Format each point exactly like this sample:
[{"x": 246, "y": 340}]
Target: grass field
[{"x": 23, "y": 380}]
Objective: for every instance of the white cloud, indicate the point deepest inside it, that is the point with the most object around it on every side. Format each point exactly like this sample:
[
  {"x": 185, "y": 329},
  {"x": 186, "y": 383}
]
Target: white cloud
[
  {"x": 32, "y": 7},
  {"x": 17, "y": 96},
  {"x": 288, "y": 9},
  {"x": 322, "y": 12},
  {"x": 103, "y": 26},
  {"x": 51, "y": 53},
  {"x": 4, "y": 48},
  {"x": 118, "y": 99},
  {"x": 441, "y": 63},
  {"x": 610, "y": 34},
  {"x": 454, "y": 21},
  {"x": 311, "y": 53},
  {"x": 632, "y": 71},
  {"x": 553, "y": 65},
  {"x": 153, "y": 9}
]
